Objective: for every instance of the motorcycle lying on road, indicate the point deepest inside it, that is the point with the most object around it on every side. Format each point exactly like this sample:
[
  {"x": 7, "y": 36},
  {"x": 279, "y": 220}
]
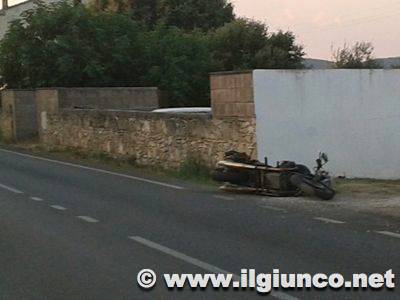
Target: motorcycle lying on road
[{"x": 242, "y": 174}]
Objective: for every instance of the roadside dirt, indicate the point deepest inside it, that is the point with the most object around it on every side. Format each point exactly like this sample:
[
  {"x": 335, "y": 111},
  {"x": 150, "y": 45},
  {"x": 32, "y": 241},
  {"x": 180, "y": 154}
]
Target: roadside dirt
[
  {"x": 377, "y": 197},
  {"x": 368, "y": 187},
  {"x": 368, "y": 195}
]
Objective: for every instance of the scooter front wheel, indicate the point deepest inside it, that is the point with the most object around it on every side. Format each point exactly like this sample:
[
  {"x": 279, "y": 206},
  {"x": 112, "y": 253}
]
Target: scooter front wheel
[{"x": 310, "y": 187}]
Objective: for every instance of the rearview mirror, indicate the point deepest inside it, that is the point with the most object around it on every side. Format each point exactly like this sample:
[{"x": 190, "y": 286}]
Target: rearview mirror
[{"x": 323, "y": 156}]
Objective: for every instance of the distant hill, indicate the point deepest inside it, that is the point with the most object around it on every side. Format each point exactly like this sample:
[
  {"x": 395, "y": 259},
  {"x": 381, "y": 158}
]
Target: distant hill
[
  {"x": 311, "y": 63},
  {"x": 389, "y": 63},
  {"x": 386, "y": 63}
]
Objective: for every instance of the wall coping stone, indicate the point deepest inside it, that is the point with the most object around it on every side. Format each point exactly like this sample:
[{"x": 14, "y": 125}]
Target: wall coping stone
[
  {"x": 137, "y": 113},
  {"x": 99, "y": 88},
  {"x": 18, "y": 90},
  {"x": 231, "y": 72}
]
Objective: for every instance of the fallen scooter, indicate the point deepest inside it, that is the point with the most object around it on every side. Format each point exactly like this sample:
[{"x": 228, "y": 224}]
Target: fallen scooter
[{"x": 242, "y": 174}]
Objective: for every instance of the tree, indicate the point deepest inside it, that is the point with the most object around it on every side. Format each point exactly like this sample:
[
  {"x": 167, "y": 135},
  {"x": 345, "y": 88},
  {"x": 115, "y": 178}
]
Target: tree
[
  {"x": 117, "y": 6},
  {"x": 179, "y": 63},
  {"x": 247, "y": 44},
  {"x": 62, "y": 45},
  {"x": 184, "y": 14},
  {"x": 359, "y": 56},
  {"x": 196, "y": 14},
  {"x": 281, "y": 52},
  {"x": 146, "y": 12},
  {"x": 68, "y": 45}
]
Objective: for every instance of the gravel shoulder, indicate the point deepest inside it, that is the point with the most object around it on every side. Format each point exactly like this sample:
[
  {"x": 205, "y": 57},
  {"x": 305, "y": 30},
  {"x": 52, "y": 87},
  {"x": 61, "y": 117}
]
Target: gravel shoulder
[{"x": 369, "y": 195}]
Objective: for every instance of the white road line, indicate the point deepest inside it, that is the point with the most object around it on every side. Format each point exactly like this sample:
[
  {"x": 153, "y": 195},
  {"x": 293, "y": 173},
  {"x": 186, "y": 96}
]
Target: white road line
[
  {"x": 274, "y": 208},
  {"x": 224, "y": 197},
  {"x": 326, "y": 220},
  {"x": 96, "y": 170},
  {"x": 198, "y": 263},
  {"x": 179, "y": 255},
  {"x": 392, "y": 234},
  {"x": 37, "y": 199},
  {"x": 58, "y": 207},
  {"x": 10, "y": 189},
  {"x": 88, "y": 219}
]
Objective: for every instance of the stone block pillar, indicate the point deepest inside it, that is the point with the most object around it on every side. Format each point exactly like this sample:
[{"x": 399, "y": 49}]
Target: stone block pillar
[
  {"x": 232, "y": 101},
  {"x": 232, "y": 95},
  {"x": 18, "y": 120}
]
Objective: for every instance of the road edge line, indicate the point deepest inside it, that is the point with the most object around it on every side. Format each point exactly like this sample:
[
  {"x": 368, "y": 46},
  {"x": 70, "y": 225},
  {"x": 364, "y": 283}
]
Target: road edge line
[{"x": 95, "y": 169}]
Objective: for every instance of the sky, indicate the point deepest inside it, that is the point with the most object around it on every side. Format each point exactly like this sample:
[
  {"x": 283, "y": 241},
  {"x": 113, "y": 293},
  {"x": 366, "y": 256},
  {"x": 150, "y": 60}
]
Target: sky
[{"x": 323, "y": 25}]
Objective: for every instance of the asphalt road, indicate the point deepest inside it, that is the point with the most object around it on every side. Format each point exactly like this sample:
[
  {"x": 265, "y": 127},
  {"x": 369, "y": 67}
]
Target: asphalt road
[{"x": 75, "y": 232}]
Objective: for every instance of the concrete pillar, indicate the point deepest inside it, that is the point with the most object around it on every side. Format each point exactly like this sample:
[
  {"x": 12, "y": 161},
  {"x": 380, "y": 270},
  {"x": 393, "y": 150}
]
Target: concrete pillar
[{"x": 5, "y": 4}]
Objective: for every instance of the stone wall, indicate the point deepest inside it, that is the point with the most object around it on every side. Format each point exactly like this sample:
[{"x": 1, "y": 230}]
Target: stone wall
[
  {"x": 24, "y": 112},
  {"x": 129, "y": 98},
  {"x": 50, "y": 101},
  {"x": 165, "y": 140},
  {"x": 116, "y": 121}
]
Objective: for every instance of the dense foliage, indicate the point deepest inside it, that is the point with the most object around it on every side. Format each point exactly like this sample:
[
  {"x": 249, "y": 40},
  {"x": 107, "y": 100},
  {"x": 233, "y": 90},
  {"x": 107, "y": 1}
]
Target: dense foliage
[
  {"x": 172, "y": 44},
  {"x": 184, "y": 14},
  {"x": 61, "y": 45},
  {"x": 179, "y": 63},
  {"x": 196, "y": 14}
]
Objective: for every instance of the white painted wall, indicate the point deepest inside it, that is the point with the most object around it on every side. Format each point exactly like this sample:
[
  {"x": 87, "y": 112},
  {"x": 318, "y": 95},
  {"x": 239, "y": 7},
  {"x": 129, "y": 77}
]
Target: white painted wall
[{"x": 353, "y": 115}]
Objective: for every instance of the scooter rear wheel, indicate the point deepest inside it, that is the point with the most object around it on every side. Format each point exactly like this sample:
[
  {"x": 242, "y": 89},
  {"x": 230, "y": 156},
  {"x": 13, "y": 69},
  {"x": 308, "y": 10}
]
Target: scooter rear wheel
[{"x": 223, "y": 175}]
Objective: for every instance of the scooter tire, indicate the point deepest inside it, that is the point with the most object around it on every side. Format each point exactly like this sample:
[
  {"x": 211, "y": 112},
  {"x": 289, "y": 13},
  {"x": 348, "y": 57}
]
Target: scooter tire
[
  {"x": 310, "y": 187},
  {"x": 302, "y": 169}
]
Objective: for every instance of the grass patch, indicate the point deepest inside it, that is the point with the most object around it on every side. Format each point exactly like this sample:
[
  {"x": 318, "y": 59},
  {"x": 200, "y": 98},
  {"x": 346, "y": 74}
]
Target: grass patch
[
  {"x": 191, "y": 170},
  {"x": 99, "y": 157},
  {"x": 194, "y": 169},
  {"x": 3, "y": 140}
]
